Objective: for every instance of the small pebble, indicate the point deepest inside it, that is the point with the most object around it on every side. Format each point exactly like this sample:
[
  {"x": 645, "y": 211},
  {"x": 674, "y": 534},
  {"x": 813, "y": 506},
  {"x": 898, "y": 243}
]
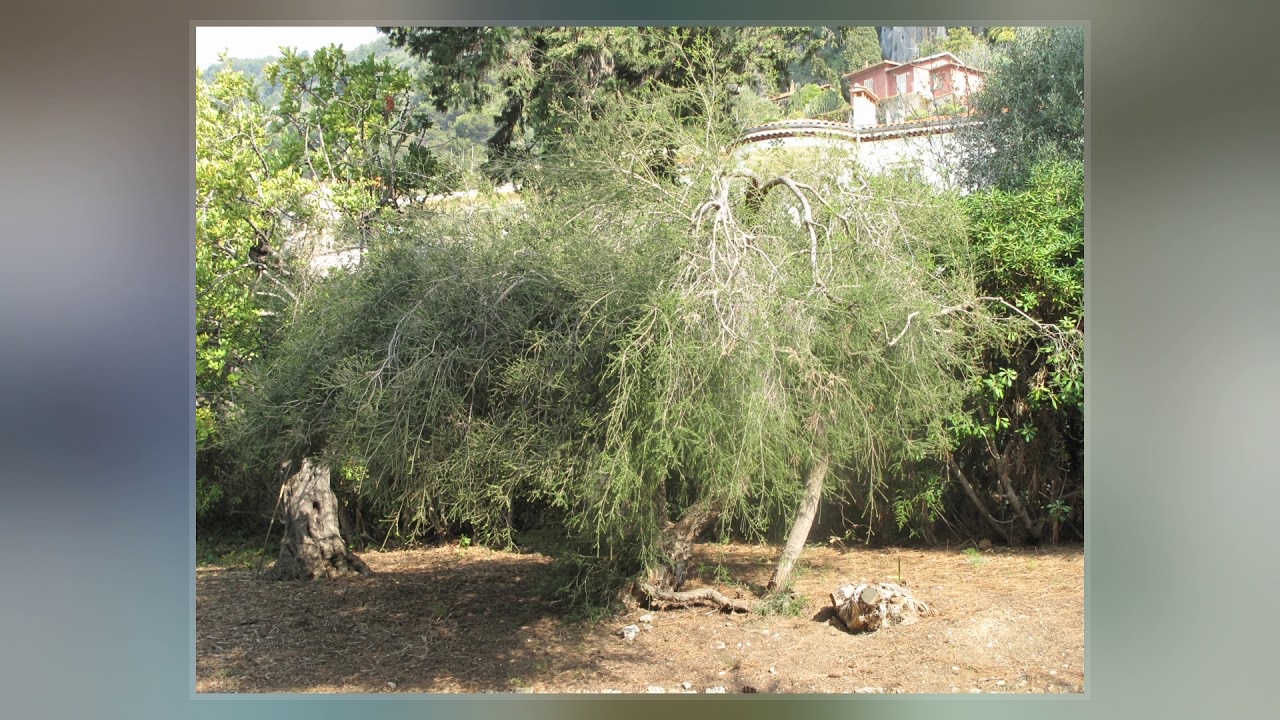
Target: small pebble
[
  {"x": 656, "y": 689},
  {"x": 391, "y": 685},
  {"x": 716, "y": 689},
  {"x": 773, "y": 670},
  {"x": 686, "y": 685}
]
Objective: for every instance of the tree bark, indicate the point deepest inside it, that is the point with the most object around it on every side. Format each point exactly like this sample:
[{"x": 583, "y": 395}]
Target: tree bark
[
  {"x": 677, "y": 545},
  {"x": 803, "y": 523},
  {"x": 313, "y": 546}
]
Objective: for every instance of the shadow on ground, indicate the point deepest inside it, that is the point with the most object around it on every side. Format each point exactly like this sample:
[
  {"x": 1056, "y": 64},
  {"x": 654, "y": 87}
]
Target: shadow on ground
[{"x": 440, "y": 620}]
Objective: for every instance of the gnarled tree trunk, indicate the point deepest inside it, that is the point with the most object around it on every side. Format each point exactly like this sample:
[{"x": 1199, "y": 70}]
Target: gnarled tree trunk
[
  {"x": 313, "y": 546},
  {"x": 661, "y": 586}
]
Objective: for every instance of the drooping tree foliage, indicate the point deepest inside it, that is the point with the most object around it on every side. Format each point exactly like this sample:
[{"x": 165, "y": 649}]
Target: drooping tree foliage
[{"x": 640, "y": 350}]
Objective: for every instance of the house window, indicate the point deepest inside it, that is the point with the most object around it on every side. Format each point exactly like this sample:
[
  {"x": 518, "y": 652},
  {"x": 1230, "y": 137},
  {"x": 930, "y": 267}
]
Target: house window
[
  {"x": 937, "y": 81},
  {"x": 902, "y": 84}
]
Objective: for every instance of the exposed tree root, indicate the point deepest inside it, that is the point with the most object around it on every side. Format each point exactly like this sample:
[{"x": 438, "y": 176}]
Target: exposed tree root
[{"x": 663, "y": 599}]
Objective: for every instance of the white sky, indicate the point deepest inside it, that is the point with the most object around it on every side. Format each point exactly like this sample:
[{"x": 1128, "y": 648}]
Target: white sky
[{"x": 254, "y": 42}]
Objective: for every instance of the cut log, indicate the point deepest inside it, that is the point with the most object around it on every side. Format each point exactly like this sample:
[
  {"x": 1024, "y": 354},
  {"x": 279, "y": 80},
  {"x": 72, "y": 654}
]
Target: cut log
[
  {"x": 865, "y": 607},
  {"x": 313, "y": 546}
]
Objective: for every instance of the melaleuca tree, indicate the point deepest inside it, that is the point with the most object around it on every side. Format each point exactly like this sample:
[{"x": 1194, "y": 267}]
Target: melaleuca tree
[
  {"x": 249, "y": 201},
  {"x": 639, "y": 351}
]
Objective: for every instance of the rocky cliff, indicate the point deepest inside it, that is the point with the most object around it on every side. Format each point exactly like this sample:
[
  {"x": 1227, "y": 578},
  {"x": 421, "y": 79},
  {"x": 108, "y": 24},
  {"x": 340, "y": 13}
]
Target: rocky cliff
[{"x": 901, "y": 43}]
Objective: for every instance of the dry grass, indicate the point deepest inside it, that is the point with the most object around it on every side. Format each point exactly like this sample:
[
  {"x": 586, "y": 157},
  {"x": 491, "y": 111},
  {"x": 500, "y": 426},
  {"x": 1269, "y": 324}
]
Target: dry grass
[{"x": 468, "y": 620}]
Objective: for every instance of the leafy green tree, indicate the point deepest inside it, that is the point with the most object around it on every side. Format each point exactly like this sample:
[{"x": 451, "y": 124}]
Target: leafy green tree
[
  {"x": 1001, "y": 34},
  {"x": 539, "y": 71},
  {"x": 1024, "y": 430},
  {"x": 828, "y": 53},
  {"x": 1031, "y": 107},
  {"x": 1023, "y": 438},
  {"x": 860, "y": 48},
  {"x": 248, "y": 203},
  {"x": 359, "y": 125}
]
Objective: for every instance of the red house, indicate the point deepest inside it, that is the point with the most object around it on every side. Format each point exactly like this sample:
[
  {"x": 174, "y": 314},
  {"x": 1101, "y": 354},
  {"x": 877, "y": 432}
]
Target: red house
[{"x": 938, "y": 79}]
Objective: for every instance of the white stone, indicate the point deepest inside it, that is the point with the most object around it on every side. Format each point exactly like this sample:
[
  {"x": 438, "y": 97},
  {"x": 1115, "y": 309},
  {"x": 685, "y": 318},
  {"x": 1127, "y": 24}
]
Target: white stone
[
  {"x": 656, "y": 689},
  {"x": 629, "y": 632},
  {"x": 716, "y": 689}
]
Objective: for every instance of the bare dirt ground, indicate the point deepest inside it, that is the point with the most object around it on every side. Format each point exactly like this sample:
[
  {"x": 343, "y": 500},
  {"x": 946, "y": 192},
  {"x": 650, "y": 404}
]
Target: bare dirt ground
[{"x": 465, "y": 620}]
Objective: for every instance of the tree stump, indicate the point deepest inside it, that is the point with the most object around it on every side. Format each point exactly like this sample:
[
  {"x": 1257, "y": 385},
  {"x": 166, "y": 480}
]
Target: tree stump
[
  {"x": 313, "y": 546},
  {"x": 865, "y": 607}
]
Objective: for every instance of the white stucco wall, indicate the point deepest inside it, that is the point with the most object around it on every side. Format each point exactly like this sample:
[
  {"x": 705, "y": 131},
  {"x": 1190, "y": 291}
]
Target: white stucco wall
[{"x": 934, "y": 155}]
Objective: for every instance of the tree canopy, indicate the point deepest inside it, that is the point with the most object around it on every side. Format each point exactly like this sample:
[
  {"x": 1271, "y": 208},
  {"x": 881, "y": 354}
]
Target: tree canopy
[{"x": 538, "y": 71}]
